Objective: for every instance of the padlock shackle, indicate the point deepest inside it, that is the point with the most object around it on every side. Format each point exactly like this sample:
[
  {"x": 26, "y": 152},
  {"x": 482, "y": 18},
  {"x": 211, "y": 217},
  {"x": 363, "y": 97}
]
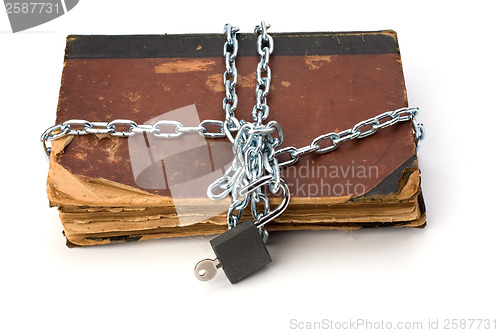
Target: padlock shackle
[{"x": 285, "y": 193}]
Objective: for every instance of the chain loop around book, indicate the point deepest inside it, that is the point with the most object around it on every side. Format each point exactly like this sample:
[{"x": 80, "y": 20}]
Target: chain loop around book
[{"x": 207, "y": 128}]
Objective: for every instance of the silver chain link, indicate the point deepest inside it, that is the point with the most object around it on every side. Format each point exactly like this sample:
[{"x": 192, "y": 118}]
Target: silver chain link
[
  {"x": 167, "y": 129},
  {"x": 360, "y": 130},
  {"x": 230, "y": 80},
  {"x": 265, "y": 47},
  {"x": 84, "y": 127}
]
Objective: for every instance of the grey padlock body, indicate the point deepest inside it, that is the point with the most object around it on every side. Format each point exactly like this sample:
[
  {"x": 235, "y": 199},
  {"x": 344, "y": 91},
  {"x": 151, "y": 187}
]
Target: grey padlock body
[{"x": 241, "y": 251}]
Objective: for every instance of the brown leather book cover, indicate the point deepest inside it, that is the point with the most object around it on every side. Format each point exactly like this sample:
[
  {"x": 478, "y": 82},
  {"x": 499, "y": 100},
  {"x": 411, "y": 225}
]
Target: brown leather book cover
[{"x": 117, "y": 189}]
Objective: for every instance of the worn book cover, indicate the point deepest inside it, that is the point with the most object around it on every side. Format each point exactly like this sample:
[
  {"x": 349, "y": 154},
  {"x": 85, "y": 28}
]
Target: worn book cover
[{"x": 112, "y": 189}]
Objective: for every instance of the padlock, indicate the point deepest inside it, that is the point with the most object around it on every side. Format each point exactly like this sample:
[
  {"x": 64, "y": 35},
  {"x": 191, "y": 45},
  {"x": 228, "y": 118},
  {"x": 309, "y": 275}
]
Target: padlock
[{"x": 241, "y": 250}]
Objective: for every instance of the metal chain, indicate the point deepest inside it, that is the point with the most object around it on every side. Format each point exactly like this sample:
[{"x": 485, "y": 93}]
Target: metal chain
[
  {"x": 265, "y": 47},
  {"x": 360, "y": 130},
  {"x": 255, "y": 164},
  {"x": 125, "y": 128},
  {"x": 230, "y": 80},
  {"x": 84, "y": 127}
]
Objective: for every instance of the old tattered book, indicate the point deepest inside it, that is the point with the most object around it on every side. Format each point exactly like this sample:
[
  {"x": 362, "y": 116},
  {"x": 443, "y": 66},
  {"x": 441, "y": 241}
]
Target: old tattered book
[{"x": 117, "y": 189}]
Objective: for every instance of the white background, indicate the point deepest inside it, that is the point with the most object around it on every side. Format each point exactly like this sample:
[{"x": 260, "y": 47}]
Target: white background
[{"x": 447, "y": 270}]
